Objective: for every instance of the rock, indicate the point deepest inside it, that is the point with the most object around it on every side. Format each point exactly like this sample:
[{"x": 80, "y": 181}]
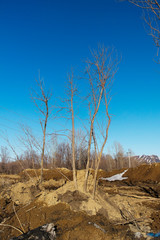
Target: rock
[{"x": 45, "y": 232}]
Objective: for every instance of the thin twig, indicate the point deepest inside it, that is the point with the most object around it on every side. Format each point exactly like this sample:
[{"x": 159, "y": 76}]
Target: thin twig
[
  {"x": 7, "y": 225},
  {"x": 62, "y": 174},
  {"x": 30, "y": 209},
  {"x": 18, "y": 218},
  {"x": 130, "y": 221}
]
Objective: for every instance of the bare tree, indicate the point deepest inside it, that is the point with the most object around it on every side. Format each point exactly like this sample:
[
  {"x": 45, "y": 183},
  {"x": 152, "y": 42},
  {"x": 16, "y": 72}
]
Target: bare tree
[
  {"x": 100, "y": 72},
  {"x": 106, "y": 162},
  {"x": 32, "y": 146},
  {"x": 151, "y": 16},
  {"x": 80, "y": 147},
  {"x": 118, "y": 155},
  {"x": 41, "y": 100},
  {"x": 104, "y": 141},
  {"x": 73, "y": 91},
  {"x": 4, "y": 155},
  {"x": 17, "y": 158},
  {"x": 68, "y": 107}
]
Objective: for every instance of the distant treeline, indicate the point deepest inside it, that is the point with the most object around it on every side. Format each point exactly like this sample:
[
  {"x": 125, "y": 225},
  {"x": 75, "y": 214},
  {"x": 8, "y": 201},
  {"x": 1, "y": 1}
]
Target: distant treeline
[{"x": 62, "y": 157}]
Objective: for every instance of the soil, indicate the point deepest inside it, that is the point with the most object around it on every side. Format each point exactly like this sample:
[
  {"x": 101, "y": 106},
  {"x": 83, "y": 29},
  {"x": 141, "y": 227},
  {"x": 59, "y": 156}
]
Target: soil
[{"x": 127, "y": 209}]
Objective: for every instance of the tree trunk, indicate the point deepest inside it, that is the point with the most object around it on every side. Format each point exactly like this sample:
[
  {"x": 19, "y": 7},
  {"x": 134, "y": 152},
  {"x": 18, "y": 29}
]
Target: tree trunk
[
  {"x": 44, "y": 140},
  {"x": 73, "y": 143},
  {"x": 90, "y": 138}
]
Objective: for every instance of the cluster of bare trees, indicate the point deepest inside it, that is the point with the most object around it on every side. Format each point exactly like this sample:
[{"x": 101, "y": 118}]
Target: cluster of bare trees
[
  {"x": 82, "y": 149},
  {"x": 62, "y": 157},
  {"x": 99, "y": 74}
]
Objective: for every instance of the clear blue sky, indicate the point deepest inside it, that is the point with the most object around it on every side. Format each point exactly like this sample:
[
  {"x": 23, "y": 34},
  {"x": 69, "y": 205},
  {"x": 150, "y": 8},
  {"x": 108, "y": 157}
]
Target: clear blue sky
[{"x": 53, "y": 36}]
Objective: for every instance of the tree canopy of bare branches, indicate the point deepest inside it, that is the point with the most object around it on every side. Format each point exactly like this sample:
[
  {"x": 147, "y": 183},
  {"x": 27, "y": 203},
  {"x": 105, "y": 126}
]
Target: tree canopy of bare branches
[
  {"x": 151, "y": 16},
  {"x": 100, "y": 73},
  {"x": 41, "y": 100}
]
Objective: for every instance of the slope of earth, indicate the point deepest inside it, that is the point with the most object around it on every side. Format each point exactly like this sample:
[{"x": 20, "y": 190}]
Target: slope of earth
[{"x": 127, "y": 209}]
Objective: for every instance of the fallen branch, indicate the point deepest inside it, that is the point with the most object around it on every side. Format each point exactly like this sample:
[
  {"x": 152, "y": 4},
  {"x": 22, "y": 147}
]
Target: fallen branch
[
  {"x": 7, "y": 225},
  {"x": 62, "y": 174},
  {"x": 139, "y": 197},
  {"x": 131, "y": 221},
  {"x": 30, "y": 209},
  {"x": 18, "y": 218},
  {"x": 129, "y": 218}
]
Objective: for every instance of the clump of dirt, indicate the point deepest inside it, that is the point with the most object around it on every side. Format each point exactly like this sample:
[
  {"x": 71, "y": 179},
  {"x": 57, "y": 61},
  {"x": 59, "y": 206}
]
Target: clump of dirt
[
  {"x": 74, "y": 199},
  {"x": 155, "y": 216},
  {"x": 24, "y": 192},
  {"x": 52, "y": 184},
  {"x": 55, "y": 174},
  {"x": 7, "y": 180}
]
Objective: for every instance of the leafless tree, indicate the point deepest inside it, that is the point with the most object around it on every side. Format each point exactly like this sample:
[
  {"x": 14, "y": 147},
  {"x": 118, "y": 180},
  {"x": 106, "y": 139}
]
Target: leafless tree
[
  {"x": 118, "y": 155},
  {"x": 68, "y": 108},
  {"x": 4, "y": 155},
  {"x": 105, "y": 137},
  {"x": 17, "y": 158},
  {"x": 100, "y": 72},
  {"x": 80, "y": 147},
  {"x": 73, "y": 92},
  {"x": 106, "y": 162},
  {"x": 41, "y": 100},
  {"x": 151, "y": 16},
  {"x": 32, "y": 146}
]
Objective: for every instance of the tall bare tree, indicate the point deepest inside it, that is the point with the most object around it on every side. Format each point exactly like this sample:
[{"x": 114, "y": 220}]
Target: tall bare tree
[
  {"x": 151, "y": 16},
  {"x": 41, "y": 100},
  {"x": 105, "y": 137},
  {"x": 73, "y": 92},
  {"x": 100, "y": 72},
  {"x": 68, "y": 102}
]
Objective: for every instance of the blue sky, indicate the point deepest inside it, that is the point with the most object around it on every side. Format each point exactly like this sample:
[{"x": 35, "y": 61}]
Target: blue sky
[{"x": 53, "y": 36}]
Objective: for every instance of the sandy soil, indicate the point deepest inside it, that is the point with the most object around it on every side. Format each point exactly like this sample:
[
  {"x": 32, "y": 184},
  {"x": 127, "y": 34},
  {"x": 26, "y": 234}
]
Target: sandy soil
[{"x": 127, "y": 209}]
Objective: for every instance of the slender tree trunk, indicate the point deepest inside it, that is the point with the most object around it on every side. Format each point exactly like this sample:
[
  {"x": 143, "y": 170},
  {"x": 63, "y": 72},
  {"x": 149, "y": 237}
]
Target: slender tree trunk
[
  {"x": 73, "y": 145},
  {"x": 88, "y": 160},
  {"x": 104, "y": 143},
  {"x": 44, "y": 140},
  {"x": 90, "y": 139},
  {"x": 41, "y": 102},
  {"x": 80, "y": 159}
]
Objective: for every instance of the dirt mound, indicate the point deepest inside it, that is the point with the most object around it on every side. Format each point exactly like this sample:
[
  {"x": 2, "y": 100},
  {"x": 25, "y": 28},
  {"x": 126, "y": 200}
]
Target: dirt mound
[
  {"x": 71, "y": 225},
  {"x": 144, "y": 173},
  {"x": 105, "y": 174},
  {"x": 56, "y": 174},
  {"x": 119, "y": 211}
]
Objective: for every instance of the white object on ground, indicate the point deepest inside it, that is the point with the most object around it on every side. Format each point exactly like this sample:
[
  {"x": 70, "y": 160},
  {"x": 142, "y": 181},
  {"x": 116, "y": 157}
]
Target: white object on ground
[
  {"x": 97, "y": 226},
  {"x": 117, "y": 177}
]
